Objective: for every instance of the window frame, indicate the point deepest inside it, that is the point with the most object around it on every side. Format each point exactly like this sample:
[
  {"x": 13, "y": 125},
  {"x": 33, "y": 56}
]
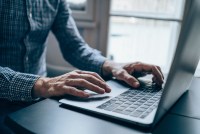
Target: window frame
[
  {"x": 153, "y": 16},
  {"x": 88, "y": 14}
]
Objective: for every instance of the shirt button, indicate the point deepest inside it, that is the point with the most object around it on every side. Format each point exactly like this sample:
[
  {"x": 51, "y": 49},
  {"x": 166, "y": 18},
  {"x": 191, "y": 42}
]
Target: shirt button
[
  {"x": 30, "y": 15},
  {"x": 26, "y": 58}
]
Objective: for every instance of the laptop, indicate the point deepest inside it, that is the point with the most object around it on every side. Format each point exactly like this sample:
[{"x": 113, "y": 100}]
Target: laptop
[{"x": 146, "y": 105}]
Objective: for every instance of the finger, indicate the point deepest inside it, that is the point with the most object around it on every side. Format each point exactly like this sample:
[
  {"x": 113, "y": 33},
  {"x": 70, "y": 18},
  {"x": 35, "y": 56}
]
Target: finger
[
  {"x": 91, "y": 73},
  {"x": 75, "y": 92},
  {"x": 59, "y": 88},
  {"x": 84, "y": 84},
  {"x": 130, "y": 80},
  {"x": 155, "y": 80},
  {"x": 130, "y": 68},
  {"x": 95, "y": 81},
  {"x": 156, "y": 72},
  {"x": 150, "y": 68},
  {"x": 160, "y": 71}
]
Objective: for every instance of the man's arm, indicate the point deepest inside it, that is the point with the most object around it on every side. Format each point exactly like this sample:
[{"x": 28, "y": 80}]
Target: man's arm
[
  {"x": 73, "y": 47},
  {"x": 78, "y": 53},
  {"x": 16, "y": 86}
]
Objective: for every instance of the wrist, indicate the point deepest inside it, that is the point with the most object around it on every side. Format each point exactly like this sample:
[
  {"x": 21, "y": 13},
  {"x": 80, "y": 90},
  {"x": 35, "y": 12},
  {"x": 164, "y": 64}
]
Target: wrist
[
  {"x": 39, "y": 87},
  {"x": 107, "y": 68}
]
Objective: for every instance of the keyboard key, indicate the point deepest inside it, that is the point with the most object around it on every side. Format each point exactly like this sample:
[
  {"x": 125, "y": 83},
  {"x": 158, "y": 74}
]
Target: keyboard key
[
  {"x": 140, "y": 96},
  {"x": 144, "y": 98},
  {"x": 118, "y": 102},
  {"x": 134, "y": 106},
  {"x": 153, "y": 99},
  {"x": 117, "y": 111},
  {"x": 102, "y": 106},
  {"x": 125, "y": 112},
  {"x": 136, "y": 114},
  {"x": 107, "y": 103},
  {"x": 141, "y": 101},
  {"x": 131, "y": 109},
  {"x": 144, "y": 115},
  {"x": 122, "y": 100},
  {"x": 124, "y": 105},
  {"x": 145, "y": 106},
  {"x": 133, "y": 100},
  {"x": 128, "y": 103},
  {"x": 138, "y": 103},
  {"x": 149, "y": 110},
  {"x": 111, "y": 107},
  {"x": 141, "y": 109},
  {"x": 131, "y": 95},
  {"x": 150, "y": 101},
  {"x": 148, "y": 104}
]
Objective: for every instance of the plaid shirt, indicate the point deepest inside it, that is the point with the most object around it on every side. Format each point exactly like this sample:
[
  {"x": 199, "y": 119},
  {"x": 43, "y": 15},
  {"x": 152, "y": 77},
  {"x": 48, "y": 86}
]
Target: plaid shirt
[{"x": 24, "y": 27}]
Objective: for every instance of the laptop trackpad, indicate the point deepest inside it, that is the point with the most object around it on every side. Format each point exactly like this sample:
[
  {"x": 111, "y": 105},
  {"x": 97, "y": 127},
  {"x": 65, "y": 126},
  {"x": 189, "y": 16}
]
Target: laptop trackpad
[{"x": 93, "y": 97}]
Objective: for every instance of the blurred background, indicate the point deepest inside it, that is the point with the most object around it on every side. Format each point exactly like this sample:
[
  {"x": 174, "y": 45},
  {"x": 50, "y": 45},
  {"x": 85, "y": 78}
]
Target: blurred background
[{"x": 126, "y": 30}]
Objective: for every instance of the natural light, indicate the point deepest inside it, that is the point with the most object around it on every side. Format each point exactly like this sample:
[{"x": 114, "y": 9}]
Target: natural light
[{"x": 147, "y": 40}]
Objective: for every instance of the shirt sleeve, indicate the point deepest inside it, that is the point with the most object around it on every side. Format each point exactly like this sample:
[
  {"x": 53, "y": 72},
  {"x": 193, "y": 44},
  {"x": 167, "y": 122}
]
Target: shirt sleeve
[
  {"x": 74, "y": 49},
  {"x": 16, "y": 86}
]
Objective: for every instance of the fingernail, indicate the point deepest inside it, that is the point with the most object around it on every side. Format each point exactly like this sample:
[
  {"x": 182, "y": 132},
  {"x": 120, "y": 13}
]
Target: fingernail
[
  {"x": 161, "y": 82},
  {"x": 108, "y": 89},
  {"x": 86, "y": 95},
  {"x": 136, "y": 84},
  {"x": 102, "y": 91}
]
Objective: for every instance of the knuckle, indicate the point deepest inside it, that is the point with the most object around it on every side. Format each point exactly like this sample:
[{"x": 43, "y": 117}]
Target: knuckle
[
  {"x": 67, "y": 81},
  {"x": 101, "y": 84},
  {"x": 129, "y": 79},
  {"x": 72, "y": 91},
  {"x": 82, "y": 81},
  {"x": 154, "y": 67},
  {"x": 72, "y": 75},
  {"x": 76, "y": 71},
  {"x": 58, "y": 85},
  {"x": 92, "y": 78},
  {"x": 158, "y": 67},
  {"x": 95, "y": 74},
  {"x": 87, "y": 76},
  {"x": 121, "y": 73},
  {"x": 138, "y": 63},
  {"x": 55, "y": 85}
]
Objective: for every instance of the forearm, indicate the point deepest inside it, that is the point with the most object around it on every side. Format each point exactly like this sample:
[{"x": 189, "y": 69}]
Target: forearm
[
  {"x": 74, "y": 49},
  {"x": 16, "y": 86}
]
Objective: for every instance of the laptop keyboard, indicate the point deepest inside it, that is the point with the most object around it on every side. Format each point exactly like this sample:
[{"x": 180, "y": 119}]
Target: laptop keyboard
[{"x": 135, "y": 102}]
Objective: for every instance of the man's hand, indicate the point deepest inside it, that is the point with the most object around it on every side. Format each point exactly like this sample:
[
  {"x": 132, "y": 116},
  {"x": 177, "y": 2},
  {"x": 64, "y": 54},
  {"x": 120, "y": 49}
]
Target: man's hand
[
  {"x": 129, "y": 72},
  {"x": 70, "y": 83}
]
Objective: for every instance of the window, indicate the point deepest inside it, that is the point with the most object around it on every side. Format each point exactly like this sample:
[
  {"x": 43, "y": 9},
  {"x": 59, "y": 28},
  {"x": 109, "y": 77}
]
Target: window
[
  {"x": 78, "y": 5},
  {"x": 83, "y": 10},
  {"x": 144, "y": 30}
]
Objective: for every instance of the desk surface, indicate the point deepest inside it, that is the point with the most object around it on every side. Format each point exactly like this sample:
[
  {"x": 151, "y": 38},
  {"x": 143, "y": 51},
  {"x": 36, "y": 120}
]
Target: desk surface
[{"x": 49, "y": 117}]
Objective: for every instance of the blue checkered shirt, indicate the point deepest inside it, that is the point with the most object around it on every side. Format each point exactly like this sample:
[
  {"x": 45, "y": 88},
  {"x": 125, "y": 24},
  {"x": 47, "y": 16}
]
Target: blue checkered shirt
[{"x": 24, "y": 27}]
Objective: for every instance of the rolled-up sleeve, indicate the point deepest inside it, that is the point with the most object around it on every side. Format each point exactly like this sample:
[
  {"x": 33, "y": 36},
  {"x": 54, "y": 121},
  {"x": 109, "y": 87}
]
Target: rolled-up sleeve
[
  {"x": 74, "y": 49},
  {"x": 16, "y": 86}
]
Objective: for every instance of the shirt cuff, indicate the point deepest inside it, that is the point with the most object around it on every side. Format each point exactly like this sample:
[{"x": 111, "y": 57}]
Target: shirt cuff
[
  {"x": 21, "y": 86},
  {"x": 97, "y": 65}
]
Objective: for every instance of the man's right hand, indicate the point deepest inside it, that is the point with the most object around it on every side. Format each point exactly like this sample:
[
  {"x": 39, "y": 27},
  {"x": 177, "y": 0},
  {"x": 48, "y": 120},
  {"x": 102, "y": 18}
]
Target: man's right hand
[{"x": 70, "y": 83}]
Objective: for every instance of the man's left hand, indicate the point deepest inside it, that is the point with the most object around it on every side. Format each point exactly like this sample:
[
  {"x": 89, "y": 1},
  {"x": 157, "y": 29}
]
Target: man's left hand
[{"x": 130, "y": 71}]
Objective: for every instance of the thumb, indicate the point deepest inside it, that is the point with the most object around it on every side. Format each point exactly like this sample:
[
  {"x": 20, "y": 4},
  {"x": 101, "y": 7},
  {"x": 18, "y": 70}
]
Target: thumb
[{"x": 126, "y": 77}]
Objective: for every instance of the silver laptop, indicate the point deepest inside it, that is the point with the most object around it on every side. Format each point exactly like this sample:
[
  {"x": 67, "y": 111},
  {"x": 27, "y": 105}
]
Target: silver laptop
[{"x": 145, "y": 106}]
